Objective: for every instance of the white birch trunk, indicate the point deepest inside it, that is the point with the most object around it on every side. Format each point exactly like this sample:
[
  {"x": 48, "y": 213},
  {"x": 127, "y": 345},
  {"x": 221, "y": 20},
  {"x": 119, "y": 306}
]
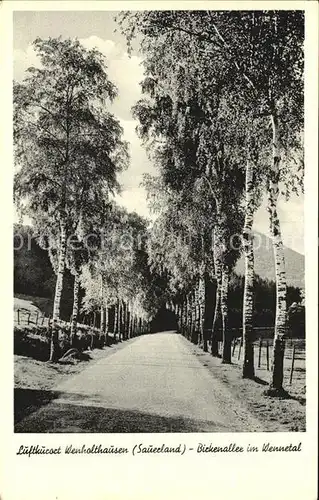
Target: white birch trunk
[
  {"x": 75, "y": 310},
  {"x": 226, "y": 355},
  {"x": 116, "y": 306},
  {"x": 102, "y": 324},
  {"x": 206, "y": 306},
  {"x": 131, "y": 321},
  {"x": 120, "y": 320},
  {"x": 54, "y": 347},
  {"x": 248, "y": 243},
  {"x": 218, "y": 277},
  {"x": 193, "y": 316},
  {"x": 201, "y": 294},
  {"x": 196, "y": 338},
  {"x": 188, "y": 317},
  {"x": 102, "y": 312},
  {"x": 107, "y": 320},
  {"x": 184, "y": 317},
  {"x": 281, "y": 285},
  {"x": 60, "y": 274}
]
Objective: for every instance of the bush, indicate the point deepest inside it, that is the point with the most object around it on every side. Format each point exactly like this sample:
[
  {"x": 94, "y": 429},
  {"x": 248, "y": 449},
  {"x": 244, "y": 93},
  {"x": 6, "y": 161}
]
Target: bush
[
  {"x": 296, "y": 320},
  {"x": 29, "y": 343},
  {"x": 34, "y": 341}
]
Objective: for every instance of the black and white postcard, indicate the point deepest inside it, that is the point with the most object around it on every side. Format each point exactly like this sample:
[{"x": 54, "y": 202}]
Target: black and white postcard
[{"x": 159, "y": 252}]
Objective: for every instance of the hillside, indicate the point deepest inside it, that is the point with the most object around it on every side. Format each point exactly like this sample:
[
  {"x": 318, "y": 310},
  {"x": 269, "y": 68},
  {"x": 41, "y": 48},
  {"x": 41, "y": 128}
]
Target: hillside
[{"x": 265, "y": 266}]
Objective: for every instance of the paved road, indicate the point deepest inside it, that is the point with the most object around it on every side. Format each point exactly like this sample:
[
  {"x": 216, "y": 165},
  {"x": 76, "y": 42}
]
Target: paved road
[{"x": 155, "y": 383}]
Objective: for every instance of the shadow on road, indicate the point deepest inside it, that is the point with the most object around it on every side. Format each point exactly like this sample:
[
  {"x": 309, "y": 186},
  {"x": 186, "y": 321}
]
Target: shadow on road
[
  {"x": 67, "y": 413},
  {"x": 260, "y": 381}
]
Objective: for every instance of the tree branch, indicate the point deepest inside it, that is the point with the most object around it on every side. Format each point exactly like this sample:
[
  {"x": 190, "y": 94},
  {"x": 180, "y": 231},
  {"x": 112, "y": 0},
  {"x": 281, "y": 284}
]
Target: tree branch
[
  {"x": 224, "y": 44},
  {"x": 48, "y": 111},
  {"x": 247, "y": 78}
]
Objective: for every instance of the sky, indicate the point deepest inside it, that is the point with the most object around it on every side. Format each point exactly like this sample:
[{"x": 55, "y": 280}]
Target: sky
[{"x": 98, "y": 29}]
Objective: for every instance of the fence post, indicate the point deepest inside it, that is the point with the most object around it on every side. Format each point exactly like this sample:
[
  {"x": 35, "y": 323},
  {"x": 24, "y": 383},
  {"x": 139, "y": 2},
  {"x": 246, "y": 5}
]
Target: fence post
[
  {"x": 43, "y": 318},
  {"x": 234, "y": 347},
  {"x": 240, "y": 346},
  {"x": 18, "y": 316},
  {"x": 267, "y": 354},
  {"x": 29, "y": 314},
  {"x": 36, "y": 318},
  {"x": 220, "y": 347},
  {"x": 259, "y": 352},
  {"x": 292, "y": 364}
]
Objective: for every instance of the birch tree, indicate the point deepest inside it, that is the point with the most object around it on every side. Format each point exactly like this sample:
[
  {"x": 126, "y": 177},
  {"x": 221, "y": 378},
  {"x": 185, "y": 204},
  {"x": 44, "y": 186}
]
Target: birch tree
[
  {"x": 115, "y": 275},
  {"x": 68, "y": 147},
  {"x": 184, "y": 120},
  {"x": 265, "y": 50}
]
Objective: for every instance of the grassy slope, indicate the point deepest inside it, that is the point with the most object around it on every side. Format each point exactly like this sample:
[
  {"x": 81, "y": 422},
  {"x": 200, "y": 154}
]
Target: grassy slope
[{"x": 33, "y": 304}]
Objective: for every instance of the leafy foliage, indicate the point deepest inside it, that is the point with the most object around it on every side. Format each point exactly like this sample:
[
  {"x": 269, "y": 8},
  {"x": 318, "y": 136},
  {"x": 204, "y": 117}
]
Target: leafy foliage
[{"x": 68, "y": 147}]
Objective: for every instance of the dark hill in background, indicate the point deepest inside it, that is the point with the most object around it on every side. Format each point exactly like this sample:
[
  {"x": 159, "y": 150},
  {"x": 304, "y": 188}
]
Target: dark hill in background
[{"x": 265, "y": 265}]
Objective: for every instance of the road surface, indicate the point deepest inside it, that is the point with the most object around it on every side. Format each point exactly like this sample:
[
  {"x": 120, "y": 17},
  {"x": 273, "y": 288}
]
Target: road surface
[{"x": 154, "y": 383}]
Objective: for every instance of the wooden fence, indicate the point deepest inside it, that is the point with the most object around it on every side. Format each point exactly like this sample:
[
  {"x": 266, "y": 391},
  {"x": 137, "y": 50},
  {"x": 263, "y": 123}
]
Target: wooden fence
[
  {"x": 295, "y": 354},
  {"x": 25, "y": 317}
]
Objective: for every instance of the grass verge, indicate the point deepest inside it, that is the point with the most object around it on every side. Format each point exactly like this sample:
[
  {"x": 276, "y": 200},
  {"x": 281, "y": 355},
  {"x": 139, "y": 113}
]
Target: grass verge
[{"x": 277, "y": 414}]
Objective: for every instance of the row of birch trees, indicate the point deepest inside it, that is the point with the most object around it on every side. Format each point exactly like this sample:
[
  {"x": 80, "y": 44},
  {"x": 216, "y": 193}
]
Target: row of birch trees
[
  {"x": 222, "y": 119},
  {"x": 69, "y": 150}
]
